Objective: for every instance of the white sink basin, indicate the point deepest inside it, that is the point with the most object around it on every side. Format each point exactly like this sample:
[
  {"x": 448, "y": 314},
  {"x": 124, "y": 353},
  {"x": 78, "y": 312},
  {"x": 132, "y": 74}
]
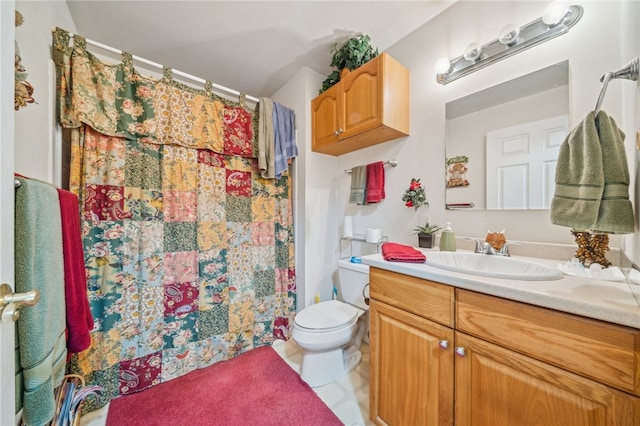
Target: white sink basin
[{"x": 492, "y": 266}]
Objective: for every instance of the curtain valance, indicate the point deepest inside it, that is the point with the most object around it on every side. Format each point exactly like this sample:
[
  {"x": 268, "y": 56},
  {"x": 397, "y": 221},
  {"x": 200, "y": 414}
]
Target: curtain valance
[{"x": 116, "y": 100}]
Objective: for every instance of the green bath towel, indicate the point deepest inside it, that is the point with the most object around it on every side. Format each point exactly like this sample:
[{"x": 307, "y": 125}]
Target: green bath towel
[
  {"x": 579, "y": 178},
  {"x": 615, "y": 215},
  {"x": 592, "y": 179},
  {"x": 41, "y": 328},
  {"x": 358, "y": 185}
]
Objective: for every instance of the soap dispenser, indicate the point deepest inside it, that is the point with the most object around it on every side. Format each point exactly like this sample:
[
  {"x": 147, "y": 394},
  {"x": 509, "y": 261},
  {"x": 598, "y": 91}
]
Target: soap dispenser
[{"x": 447, "y": 239}]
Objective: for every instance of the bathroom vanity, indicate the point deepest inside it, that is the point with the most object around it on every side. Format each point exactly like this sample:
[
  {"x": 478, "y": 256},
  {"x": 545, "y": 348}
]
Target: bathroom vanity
[{"x": 450, "y": 348}]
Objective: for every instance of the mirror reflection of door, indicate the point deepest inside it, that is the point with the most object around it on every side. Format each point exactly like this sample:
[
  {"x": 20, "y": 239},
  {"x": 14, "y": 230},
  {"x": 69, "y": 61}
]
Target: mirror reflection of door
[
  {"x": 533, "y": 97},
  {"x": 521, "y": 164}
]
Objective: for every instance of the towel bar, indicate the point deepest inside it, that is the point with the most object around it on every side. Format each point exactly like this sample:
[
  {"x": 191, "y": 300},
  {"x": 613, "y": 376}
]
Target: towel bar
[{"x": 391, "y": 163}]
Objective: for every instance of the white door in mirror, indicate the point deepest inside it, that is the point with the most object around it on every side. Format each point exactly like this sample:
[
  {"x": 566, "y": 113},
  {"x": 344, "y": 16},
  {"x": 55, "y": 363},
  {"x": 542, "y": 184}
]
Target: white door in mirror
[{"x": 521, "y": 163}]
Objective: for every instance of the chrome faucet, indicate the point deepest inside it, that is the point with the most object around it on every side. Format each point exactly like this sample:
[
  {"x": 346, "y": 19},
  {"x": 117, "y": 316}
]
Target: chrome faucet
[{"x": 484, "y": 247}]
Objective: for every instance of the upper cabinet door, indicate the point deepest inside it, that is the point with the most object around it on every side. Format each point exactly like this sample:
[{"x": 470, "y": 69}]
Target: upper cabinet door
[
  {"x": 325, "y": 110},
  {"x": 361, "y": 98}
]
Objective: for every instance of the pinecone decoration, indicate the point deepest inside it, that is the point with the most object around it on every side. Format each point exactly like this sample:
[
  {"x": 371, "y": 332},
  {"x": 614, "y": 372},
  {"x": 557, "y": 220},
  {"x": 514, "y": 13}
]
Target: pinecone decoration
[{"x": 592, "y": 248}]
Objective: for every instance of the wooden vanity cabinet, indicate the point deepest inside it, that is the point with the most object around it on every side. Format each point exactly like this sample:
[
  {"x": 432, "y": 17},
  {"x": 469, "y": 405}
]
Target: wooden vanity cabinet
[
  {"x": 537, "y": 366},
  {"x": 411, "y": 355},
  {"x": 511, "y": 363},
  {"x": 368, "y": 106}
]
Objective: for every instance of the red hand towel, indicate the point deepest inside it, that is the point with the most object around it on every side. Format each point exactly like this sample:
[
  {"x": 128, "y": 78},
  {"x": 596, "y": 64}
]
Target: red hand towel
[
  {"x": 375, "y": 182},
  {"x": 395, "y": 252},
  {"x": 79, "y": 319}
]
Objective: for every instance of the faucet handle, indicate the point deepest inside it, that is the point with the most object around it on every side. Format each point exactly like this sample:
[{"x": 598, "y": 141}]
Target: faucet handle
[
  {"x": 479, "y": 245},
  {"x": 504, "y": 251}
]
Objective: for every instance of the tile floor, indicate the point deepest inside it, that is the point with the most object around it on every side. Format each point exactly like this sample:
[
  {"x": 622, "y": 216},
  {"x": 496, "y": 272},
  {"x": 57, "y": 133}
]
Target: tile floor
[{"x": 347, "y": 397}]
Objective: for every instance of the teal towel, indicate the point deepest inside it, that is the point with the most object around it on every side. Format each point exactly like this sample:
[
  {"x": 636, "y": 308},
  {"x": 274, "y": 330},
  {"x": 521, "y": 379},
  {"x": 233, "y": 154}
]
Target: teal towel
[
  {"x": 592, "y": 179},
  {"x": 615, "y": 215},
  {"x": 358, "y": 185},
  {"x": 41, "y": 328}
]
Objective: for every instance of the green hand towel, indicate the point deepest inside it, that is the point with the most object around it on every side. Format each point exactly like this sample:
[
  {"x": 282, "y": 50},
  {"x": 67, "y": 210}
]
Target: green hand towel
[
  {"x": 358, "y": 185},
  {"x": 41, "y": 328},
  {"x": 579, "y": 178},
  {"x": 615, "y": 215}
]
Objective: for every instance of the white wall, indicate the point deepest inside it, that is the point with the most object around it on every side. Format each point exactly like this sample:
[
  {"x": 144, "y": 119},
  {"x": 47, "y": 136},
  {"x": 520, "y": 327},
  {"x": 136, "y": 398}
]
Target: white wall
[
  {"x": 630, "y": 48},
  {"x": 605, "y": 39},
  {"x": 592, "y": 47},
  {"x": 37, "y": 154},
  {"x": 314, "y": 194}
]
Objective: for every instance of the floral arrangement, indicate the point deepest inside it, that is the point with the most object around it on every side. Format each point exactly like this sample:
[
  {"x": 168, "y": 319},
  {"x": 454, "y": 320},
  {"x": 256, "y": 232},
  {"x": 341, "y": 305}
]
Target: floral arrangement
[{"x": 415, "y": 196}]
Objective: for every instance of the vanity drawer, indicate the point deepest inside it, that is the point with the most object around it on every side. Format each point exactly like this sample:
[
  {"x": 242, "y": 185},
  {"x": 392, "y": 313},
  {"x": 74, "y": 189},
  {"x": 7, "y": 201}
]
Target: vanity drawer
[
  {"x": 608, "y": 353},
  {"x": 425, "y": 298}
]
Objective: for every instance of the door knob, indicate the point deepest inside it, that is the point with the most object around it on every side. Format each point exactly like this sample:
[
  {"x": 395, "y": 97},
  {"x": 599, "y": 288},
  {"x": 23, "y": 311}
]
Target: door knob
[
  {"x": 10, "y": 302},
  {"x": 460, "y": 351},
  {"x": 444, "y": 344}
]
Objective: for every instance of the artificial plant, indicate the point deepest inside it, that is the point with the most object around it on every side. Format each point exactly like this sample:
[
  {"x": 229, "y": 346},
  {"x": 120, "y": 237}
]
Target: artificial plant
[{"x": 353, "y": 53}]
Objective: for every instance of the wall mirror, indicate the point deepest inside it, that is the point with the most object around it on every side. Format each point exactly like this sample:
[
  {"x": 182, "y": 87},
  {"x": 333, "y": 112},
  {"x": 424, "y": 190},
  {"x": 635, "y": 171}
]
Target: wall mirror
[{"x": 502, "y": 142}]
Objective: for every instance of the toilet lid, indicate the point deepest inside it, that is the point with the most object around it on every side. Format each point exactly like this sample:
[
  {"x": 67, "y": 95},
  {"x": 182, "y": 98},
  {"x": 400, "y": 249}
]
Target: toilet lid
[{"x": 326, "y": 315}]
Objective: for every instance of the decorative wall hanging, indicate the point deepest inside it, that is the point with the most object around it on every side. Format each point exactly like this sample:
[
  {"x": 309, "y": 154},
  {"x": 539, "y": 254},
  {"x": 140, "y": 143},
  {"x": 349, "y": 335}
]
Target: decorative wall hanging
[
  {"x": 456, "y": 171},
  {"x": 23, "y": 89}
]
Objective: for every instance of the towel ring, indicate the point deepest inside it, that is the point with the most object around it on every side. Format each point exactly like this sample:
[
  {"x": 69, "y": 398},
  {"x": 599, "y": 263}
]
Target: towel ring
[{"x": 631, "y": 71}]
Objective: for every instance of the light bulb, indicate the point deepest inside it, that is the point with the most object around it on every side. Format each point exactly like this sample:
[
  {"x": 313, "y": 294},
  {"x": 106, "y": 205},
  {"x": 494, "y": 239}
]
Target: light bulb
[
  {"x": 555, "y": 12},
  {"x": 473, "y": 52},
  {"x": 509, "y": 35},
  {"x": 443, "y": 66}
]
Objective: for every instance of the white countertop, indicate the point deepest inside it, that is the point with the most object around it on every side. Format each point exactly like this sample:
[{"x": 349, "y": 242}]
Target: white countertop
[{"x": 613, "y": 301}]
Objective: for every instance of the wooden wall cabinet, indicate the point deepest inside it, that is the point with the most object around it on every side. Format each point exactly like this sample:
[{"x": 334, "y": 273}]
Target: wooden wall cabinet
[
  {"x": 368, "y": 106},
  {"x": 512, "y": 363}
]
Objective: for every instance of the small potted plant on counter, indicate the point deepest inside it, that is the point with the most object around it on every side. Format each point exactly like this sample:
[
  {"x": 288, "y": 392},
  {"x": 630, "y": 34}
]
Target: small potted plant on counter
[{"x": 425, "y": 234}]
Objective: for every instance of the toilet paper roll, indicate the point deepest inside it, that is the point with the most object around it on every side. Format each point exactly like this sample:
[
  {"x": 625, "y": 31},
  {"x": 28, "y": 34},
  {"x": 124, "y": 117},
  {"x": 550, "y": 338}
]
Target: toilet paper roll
[
  {"x": 347, "y": 227},
  {"x": 374, "y": 235}
]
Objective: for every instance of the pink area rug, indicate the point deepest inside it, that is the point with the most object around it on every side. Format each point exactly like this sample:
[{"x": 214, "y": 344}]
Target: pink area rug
[{"x": 255, "y": 388}]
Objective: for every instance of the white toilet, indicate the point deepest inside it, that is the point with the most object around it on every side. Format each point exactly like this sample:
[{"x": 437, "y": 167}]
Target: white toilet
[{"x": 330, "y": 332}]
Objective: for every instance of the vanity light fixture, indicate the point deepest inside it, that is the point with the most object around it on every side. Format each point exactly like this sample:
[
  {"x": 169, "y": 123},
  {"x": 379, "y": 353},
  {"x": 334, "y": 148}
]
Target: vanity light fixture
[{"x": 557, "y": 19}]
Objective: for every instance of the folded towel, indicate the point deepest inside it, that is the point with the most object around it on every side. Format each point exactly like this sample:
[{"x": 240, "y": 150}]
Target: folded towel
[
  {"x": 284, "y": 129},
  {"x": 358, "y": 185},
  {"x": 579, "y": 178},
  {"x": 394, "y": 252},
  {"x": 375, "y": 182},
  {"x": 79, "y": 318},
  {"x": 39, "y": 266},
  {"x": 266, "y": 142},
  {"x": 615, "y": 215}
]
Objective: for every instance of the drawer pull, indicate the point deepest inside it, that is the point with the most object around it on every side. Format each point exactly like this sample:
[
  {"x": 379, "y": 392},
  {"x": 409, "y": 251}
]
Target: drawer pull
[
  {"x": 444, "y": 344},
  {"x": 460, "y": 351}
]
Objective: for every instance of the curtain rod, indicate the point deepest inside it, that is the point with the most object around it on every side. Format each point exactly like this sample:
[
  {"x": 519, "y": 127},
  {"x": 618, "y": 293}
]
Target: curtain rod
[
  {"x": 391, "y": 163},
  {"x": 160, "y": 66}
]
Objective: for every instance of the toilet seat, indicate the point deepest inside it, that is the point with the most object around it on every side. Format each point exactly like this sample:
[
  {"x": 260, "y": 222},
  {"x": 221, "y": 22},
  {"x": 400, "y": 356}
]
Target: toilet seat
[{"x": 326, "y": 316}]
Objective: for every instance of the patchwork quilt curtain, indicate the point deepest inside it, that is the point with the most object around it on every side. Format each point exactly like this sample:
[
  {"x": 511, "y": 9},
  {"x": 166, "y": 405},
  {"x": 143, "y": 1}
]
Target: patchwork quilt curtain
[{"x": 189, "y": 252}]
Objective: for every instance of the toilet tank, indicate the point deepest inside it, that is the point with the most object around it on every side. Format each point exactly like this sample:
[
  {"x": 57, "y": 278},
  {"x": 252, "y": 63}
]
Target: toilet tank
[{"x": 352, "y": 280}]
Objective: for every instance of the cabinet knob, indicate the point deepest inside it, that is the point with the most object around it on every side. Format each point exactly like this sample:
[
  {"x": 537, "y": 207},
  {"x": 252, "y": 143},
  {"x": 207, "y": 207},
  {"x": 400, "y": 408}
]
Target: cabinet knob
[
  {"x": 444, "y": 344},
  {"x": 340, "y": 130},
  {"x": 337, "y": 132},
  {"x": 460, "y": 351}
]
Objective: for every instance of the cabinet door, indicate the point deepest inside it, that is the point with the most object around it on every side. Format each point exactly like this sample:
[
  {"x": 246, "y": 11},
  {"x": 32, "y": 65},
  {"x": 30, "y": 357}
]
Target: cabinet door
[
  {"x": 361, "y": 99},
  {"x": 325, "y": 110},
  {"x": 497, "y": 386},
  {"x": 411, "y": 380}
]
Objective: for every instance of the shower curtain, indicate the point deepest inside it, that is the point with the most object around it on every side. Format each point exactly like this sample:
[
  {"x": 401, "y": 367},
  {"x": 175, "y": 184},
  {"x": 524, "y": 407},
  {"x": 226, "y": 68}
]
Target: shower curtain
[{"x": 188, "y": 251}]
